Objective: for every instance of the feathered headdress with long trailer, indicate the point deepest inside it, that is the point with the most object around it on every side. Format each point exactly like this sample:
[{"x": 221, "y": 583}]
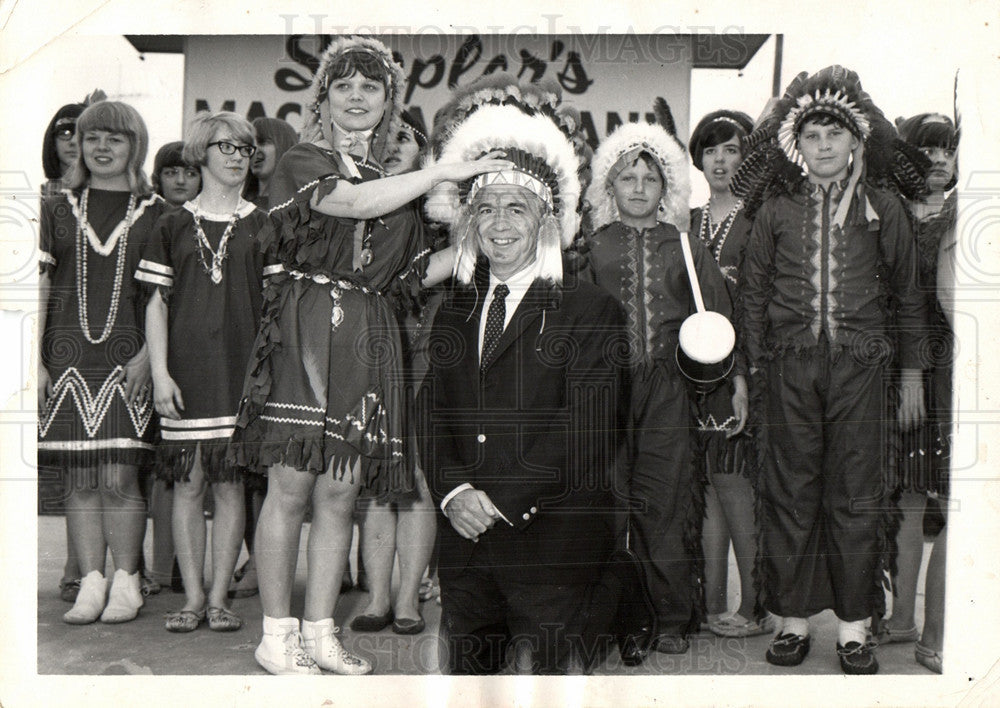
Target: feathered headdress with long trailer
[
  {"x": 544, "y": 160},
  {"x": 772, "y": 163},
  {"x": 621, "y": 148}
]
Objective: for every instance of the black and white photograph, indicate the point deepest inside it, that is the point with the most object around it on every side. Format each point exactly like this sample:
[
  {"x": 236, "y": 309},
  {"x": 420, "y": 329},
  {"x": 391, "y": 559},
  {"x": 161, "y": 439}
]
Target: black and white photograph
[{"x": 609, "y": 355}]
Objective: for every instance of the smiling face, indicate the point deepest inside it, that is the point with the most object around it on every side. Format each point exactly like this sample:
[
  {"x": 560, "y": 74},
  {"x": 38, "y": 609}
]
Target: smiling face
[
  {"x": 226, "y": 170},
  {"x": 637, "y": 191},
  {"x": 506, "y": 219},
  {"x": 356, "y": 102},
  {"x": 826, "y": 147},
  {"x": 179, "y": 183},
  {"x": 401, "y": 152},
  {"x": 106, "y": 154},
  {"x": 719, "y": 163}
]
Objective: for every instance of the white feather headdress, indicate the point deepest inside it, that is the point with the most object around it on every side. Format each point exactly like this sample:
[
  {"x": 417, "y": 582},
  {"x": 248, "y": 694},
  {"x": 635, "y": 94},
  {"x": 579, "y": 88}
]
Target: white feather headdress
[
  {"x": 670, "y": 156},
  {"x": 544, "y": 162}
]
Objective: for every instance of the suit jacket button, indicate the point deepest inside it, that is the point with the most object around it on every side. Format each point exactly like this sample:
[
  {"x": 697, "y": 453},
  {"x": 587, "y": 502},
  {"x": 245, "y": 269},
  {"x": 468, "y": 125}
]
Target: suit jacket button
[
  {"x": 534, "y": 510},
  {"x": 481, "y": 438},
  {"x": 526, "y": 516}
]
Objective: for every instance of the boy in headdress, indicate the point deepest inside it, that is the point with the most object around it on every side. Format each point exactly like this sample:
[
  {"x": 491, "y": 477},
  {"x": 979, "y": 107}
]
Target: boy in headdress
[{"x": 829, "y": 291}]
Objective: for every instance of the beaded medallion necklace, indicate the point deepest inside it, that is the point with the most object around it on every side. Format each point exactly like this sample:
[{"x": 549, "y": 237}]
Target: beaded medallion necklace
[
  {"x": 82, "y": 225},
  {"x": 215, "y": 269}
]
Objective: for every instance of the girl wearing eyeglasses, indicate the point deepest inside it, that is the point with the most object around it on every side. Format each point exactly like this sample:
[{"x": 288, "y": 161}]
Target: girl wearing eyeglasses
[
  {"x": 204, "y": 260},
  {"x": 95, "y": 409}
]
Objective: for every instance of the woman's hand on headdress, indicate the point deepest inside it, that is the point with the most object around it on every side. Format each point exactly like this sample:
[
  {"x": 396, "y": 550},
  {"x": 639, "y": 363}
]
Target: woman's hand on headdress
[{"x": 458, "y": 171}]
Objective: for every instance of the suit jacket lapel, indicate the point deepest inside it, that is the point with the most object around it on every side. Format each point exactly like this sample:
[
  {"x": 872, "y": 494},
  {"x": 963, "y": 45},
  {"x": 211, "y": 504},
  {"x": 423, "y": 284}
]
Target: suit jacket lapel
[{"x": 536, "y": 299}]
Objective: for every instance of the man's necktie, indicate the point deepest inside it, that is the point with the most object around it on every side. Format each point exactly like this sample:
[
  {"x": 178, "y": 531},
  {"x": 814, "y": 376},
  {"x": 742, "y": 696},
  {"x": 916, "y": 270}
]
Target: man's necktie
[{"x": 494, "y": 325}]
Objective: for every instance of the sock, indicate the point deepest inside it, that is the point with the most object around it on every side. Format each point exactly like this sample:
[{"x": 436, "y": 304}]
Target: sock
[
  {"x": 314, "y": 630},
  {"x": 852, "y": 632},
  {"x": 279, "y": 625},
  {"x": 796, "y": 625}
]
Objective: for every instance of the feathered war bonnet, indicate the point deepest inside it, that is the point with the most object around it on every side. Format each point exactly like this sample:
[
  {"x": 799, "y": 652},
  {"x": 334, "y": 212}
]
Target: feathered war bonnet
[
  {"x": 499, "y": 115},
  {"x": 317, "y": 121},
  {"x": 772, "y": 162},
  {"x": 621, "y": 149}
]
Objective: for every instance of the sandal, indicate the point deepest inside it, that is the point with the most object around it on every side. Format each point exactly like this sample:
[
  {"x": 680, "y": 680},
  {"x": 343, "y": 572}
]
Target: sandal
[
  {"x": 183, "y": 621},
  {"x": 928, "y": 658},
  {"x": 739, "y": 626},
  {"x": 221, "y": 619}
]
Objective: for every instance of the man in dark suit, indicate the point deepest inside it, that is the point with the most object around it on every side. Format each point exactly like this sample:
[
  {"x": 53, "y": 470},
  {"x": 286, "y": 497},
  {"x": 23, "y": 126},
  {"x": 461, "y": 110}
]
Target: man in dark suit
[{"x": 519, "y": 448}]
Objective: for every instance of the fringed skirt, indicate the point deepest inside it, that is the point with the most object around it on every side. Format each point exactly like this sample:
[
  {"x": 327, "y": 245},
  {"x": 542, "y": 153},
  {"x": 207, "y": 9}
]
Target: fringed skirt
[{"x": 325, "y": 388}]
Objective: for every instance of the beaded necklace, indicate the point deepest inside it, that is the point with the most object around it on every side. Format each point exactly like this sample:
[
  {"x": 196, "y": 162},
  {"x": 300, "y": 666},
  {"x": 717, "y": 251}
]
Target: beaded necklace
[
  {"x": 715, "y": 238},
  {"x": 215, "y": 269},
  {"x": 81, "y": 269}
]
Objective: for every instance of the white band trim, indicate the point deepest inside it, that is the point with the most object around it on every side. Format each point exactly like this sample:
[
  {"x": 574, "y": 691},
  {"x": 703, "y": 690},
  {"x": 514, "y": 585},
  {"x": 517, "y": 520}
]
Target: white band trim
[
  {"x": 273, "y": 269},
  {"x": 156, "y": 267},
  {"x": 156, "y": 279},
  {"x": 223, "y": 433},
  {"x": 110, "y": 444},
  {"x": 229, "y": 420}
]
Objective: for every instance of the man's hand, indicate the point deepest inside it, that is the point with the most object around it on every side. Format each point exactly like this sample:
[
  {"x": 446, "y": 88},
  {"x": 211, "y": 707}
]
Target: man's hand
[
  {"x": 471, "y": 513},
  {"x": 911, "y": 399}
]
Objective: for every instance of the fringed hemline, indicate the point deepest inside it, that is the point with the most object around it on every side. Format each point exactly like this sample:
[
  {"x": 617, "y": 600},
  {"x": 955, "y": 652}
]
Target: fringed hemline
[
  {"x": 379, "y": 477},
  {"x": 174, "y": 461},
  {"x": 756, "y": 457},
  {"x": 693, "y": 526}
]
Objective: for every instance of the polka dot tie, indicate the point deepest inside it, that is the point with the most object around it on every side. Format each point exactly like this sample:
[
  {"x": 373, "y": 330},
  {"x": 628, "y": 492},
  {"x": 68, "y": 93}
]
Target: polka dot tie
[{"x": 494, "y": 325}]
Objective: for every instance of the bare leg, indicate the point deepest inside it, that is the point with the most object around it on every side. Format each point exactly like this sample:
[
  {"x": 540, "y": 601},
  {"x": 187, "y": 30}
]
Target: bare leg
[
  {"x": 378, "y": 549},
  {"x": 124, "y": 516},
  {"x": 736, "y": 499},
  {"x": 910, "y": 540},
  {"x": 329, "y": 540},
  {"x": 276, "y": 543},
  {"x": 71, "y": 570},
  {"x": 715, "y": 546},
  {"x": 84, "y": 524},
  {"x": 416, "y": 527},
  {"x": 227, "y": 533},
  {"x": 189, "y": 534},
  {"x": 161, "y": 507},
  {"x": 933, "y": 635}
]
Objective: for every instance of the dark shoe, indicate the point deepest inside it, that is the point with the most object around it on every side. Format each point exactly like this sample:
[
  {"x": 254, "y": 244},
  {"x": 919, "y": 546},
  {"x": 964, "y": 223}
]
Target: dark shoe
[
  {"x": 371, "y": 623},
  {"x": 148, "y": 586},
  {"x": 788, "y": 650},
  {"x": 671, "y": 644},
  {"x": 69, "y": 588},
  {"x": 408, "y": 626},
  {"x": 857, "y": 658}
]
